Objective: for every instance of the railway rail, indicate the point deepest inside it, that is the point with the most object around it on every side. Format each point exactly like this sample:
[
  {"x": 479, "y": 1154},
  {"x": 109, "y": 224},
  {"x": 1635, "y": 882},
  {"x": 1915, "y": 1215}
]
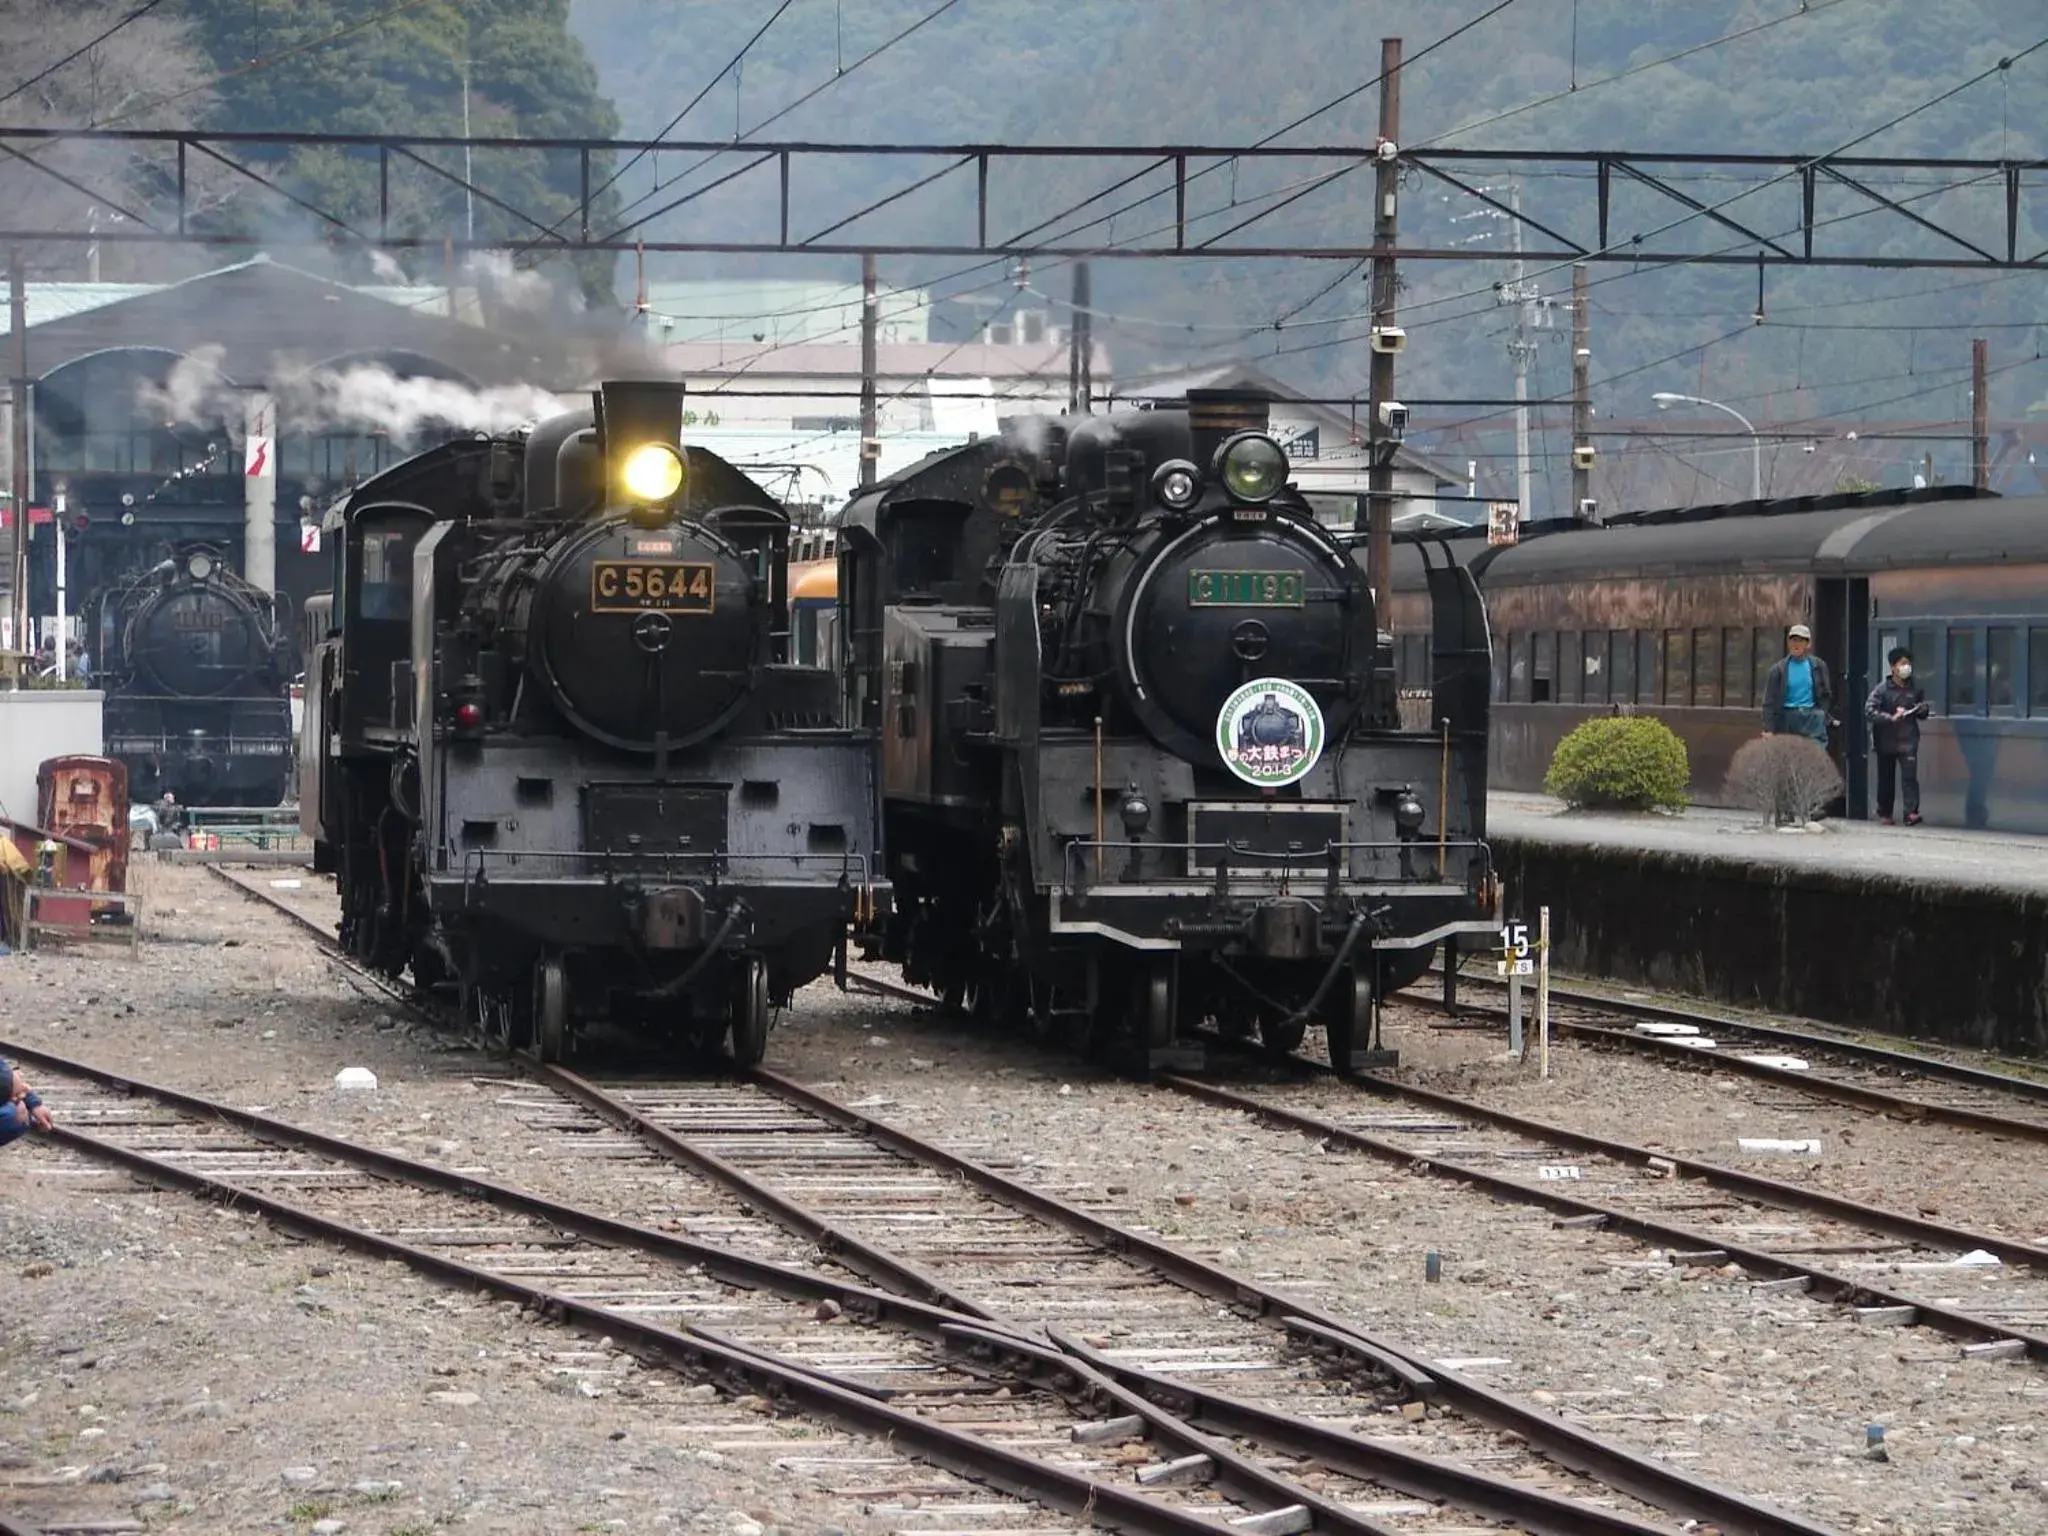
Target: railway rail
[
  {"x": 1062, "y": 1288},
  {"x": 1846, "y": 1071},
  {"x": 1999, "y": 1308}
]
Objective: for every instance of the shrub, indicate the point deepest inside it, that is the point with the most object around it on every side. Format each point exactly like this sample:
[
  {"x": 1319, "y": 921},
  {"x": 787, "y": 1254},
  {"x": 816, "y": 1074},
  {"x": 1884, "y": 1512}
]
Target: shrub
[
  {"x": 1633, "y": 764},
  {"x": 1787, "y": 778}
]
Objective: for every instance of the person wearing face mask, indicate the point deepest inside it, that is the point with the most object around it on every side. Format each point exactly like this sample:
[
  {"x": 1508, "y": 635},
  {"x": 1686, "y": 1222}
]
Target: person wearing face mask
[{"x": 1895, "y": 709}]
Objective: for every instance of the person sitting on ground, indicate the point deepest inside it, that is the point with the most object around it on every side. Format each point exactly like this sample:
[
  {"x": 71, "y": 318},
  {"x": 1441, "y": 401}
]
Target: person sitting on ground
[{"x": 21, "y": 1107}]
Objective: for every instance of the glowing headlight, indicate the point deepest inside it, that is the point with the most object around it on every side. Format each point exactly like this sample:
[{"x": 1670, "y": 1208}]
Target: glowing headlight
[
  {"x": 199, "y": 567},
  {"x": 1177, "y": 483},
  {"x": 1252, "y": 467},
  {"x": 652, "y": 472}
]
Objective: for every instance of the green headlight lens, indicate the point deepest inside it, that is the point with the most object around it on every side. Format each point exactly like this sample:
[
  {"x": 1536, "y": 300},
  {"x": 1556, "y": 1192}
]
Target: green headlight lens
[{"x": 1254, "y": 468}]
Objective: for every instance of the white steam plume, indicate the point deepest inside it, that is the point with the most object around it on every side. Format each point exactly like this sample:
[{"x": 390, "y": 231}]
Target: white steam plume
[
  {"x": 387, "y": 268},
  {"x": 517, "y": 288},
  {"x": 194, "y": 392},
  {"x": 369, "y": 395}
]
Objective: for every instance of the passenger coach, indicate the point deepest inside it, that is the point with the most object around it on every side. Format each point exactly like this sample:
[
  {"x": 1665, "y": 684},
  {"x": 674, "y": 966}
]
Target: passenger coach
[{"x": 1681, "y": 615}]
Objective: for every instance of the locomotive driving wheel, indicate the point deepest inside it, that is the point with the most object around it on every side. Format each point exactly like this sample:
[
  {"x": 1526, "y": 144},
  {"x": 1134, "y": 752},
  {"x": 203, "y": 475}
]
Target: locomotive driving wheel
[
  {"x": 1348, "y": 1017},
  {"x": 1155, "y": 1012},
  {"x": 750, "y": 1012},
  {"x": 550, "y": 1010}
]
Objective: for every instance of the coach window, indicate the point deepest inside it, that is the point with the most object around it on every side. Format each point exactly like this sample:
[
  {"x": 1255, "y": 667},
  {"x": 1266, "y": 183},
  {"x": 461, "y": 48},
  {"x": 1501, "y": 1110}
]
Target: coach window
[
  {"x": 1921, "y": 642},
  {"x": 1621, "y": 657},
  {"x": 1677, "y": 667},
  {"x": 1735, "y": 668},
  {"x": 1543, "y": 668},
  {"x": 1570, "y": 666},
  {"x": 1999, "y": 648},
  {"x": 1767, "y": 645},
  {"x": 1598, "y": 669},
  {"x": 1706, "y": 668},
  {"x": 1962, "y": 672},
  {"x": 1500, "y": 669},
  {"x": 2037, "y": 671},
  {"x": 1646, "y": 666},
  {"x": 1518, "y": 668}
]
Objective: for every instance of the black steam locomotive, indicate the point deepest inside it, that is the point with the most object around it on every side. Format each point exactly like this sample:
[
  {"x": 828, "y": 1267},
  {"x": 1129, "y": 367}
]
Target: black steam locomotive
[
  {"x": 563, "y": 764},
  {"x": 1142, "y": 758},
  {"x": 196, "y": 670}
]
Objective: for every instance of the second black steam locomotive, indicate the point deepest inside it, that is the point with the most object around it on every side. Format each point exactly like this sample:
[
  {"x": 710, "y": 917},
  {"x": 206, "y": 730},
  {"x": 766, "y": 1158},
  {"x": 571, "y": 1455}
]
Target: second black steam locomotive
[
  {"x": 1142, "y": 757},
  {"x": 196, "y": 670},
  {"x": 555, "y": 753}
]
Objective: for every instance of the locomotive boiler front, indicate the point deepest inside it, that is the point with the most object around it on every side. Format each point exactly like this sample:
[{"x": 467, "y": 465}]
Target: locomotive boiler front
[
  {"x": 638, "y": 634},
  {"x": 1196, "y": 612},
  {"x": 197, "y": 637}
]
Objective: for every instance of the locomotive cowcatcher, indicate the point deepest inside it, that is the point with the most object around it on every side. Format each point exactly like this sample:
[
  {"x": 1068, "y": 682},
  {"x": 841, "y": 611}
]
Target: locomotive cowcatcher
[
  {"x": 564, "y": 766},
  {"x": 196, "y": 670},
  {"x": 1143, "y": 764}
]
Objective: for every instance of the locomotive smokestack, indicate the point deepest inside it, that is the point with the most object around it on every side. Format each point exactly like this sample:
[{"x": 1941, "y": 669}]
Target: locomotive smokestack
[{"x": 1216, "y": 414}]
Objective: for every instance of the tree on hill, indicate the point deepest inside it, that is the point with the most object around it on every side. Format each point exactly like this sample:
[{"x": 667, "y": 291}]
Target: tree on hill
[
  {"x": 374, "y": 67},
  {"x": 75, "y": 64}
]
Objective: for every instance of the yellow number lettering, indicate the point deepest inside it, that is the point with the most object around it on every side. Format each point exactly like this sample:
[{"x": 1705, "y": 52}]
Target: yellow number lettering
[
  {"x": 608, "y": 581},
  {"x": 636, "y": 581},
  {"x": 700, "y": 582}
]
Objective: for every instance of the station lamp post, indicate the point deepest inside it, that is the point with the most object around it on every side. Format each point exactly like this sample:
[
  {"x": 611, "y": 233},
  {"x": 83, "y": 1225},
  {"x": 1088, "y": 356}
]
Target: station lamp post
[{"x": 1665, "y": 400}]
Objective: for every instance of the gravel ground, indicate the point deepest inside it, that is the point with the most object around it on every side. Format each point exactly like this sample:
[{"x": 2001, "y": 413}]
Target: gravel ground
[
  {"x": 166, "y": 1362},
  {"x": 1947, "y": 1173},
  {"x": 1770, "y": 1394}
]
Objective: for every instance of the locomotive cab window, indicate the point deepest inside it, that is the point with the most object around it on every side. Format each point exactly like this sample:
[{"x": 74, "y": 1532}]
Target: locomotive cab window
[{"x": 385, "y": 590}]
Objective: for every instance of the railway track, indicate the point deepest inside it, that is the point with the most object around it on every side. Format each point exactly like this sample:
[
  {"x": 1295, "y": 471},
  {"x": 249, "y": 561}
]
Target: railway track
[
  {"x": 1904, "y": 1084},
  {"x": 1063, "y": 1288},
  {"x": 1993, "y": 1289}
]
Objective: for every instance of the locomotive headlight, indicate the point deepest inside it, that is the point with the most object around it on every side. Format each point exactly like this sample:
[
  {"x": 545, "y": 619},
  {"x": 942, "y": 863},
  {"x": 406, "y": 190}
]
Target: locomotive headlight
[
  {"x": 1177, "y": 483},
  {"x": 1408, "y": 814},
  {"x": 1252, "y": 467},
  {"x": 199, "y": 567},
  {"x": 652, "y": 472}
]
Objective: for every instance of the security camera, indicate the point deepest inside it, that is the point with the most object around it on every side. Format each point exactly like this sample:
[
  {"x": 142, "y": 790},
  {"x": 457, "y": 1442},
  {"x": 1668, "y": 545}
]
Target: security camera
[
  {"x": 1388, "y": 338},
  {"x": 1583, "y": 455},
  {"x": 1394, "y": 417}
]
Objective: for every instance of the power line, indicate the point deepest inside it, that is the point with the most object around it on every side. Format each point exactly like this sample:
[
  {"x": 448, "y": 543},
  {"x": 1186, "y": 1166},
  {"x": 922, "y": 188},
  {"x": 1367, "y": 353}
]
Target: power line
[{"x": 36, "y": 79}]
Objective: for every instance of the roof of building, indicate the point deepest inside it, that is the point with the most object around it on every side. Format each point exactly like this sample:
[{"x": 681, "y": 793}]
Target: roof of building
[
  {"x": 260, "y": 311},
  {"x": 50, "y": 302}
]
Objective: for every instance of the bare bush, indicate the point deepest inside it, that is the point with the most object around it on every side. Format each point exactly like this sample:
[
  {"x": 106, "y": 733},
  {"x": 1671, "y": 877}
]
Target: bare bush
[{"x": 1787, "y": 778}]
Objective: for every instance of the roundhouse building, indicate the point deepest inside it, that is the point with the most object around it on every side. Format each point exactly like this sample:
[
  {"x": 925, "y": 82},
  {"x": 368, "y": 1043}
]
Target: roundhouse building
[{"x": 154, "y": 423}]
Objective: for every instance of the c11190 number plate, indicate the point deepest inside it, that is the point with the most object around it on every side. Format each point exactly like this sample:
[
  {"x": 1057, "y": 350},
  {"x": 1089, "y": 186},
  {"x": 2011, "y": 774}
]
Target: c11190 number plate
[
  {"x": 667, "y": 586},
  {"x": 1246, "y": 589}
]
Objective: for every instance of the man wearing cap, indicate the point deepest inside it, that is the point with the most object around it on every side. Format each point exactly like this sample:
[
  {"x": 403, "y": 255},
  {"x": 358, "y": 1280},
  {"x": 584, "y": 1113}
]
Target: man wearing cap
[{"x": 1799, "y": 693}]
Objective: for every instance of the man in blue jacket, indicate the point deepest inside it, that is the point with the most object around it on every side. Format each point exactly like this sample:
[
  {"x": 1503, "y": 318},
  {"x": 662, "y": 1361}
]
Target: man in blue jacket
[
  {"x": 21, "y": 1107},
  {"x": 1799, "y": 693},
  {"x": 1895, "y": 709}
]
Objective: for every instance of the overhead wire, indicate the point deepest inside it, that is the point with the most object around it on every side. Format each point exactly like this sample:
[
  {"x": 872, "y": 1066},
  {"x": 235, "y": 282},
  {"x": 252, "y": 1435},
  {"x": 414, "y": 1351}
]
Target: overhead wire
[{"x": 41, "y": 75}]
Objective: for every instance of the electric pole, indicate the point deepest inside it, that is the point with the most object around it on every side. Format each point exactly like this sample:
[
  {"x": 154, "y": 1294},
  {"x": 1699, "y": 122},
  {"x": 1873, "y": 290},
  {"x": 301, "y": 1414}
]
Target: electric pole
[
  {"x": 1084, "y": 332},
  {"x": 1385, "y": 340},
  {"x": 870, "y": 442},
  {"x": 1980, "y": 415},
  {"x": 17, "y": 520},
  {"x": 1582, "y": 398},
  {"x": 1521, "y": 347}
]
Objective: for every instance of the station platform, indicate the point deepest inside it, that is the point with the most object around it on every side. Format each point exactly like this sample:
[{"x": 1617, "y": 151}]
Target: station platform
[{"x": 1935, "y": 933}]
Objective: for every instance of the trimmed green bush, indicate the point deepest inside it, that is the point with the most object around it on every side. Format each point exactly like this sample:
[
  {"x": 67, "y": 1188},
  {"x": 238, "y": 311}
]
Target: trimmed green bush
[{"x": 1620, "y": 763}]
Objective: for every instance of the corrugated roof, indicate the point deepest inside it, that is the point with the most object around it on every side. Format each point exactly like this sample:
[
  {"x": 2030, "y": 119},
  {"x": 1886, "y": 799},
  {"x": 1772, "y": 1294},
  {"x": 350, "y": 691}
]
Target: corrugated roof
[{"x": 51, "y": 302}]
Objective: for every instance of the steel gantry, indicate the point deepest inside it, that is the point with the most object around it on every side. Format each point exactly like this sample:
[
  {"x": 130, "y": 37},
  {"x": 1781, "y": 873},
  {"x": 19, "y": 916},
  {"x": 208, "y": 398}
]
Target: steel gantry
[{"x": 973, "y": 200}]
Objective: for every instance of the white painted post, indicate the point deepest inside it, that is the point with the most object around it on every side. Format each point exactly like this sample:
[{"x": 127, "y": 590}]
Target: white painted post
[{"x": 1543, "y": 991}]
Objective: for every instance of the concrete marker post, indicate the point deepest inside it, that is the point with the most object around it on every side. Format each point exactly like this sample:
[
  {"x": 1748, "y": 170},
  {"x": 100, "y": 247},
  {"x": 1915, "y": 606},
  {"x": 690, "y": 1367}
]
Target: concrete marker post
[{"x": 1543, "y": 992}]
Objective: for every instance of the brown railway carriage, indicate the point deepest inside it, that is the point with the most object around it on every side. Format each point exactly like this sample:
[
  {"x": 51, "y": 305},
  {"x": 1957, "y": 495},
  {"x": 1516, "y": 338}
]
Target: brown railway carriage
[{"x": 1681, "y": 616}]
